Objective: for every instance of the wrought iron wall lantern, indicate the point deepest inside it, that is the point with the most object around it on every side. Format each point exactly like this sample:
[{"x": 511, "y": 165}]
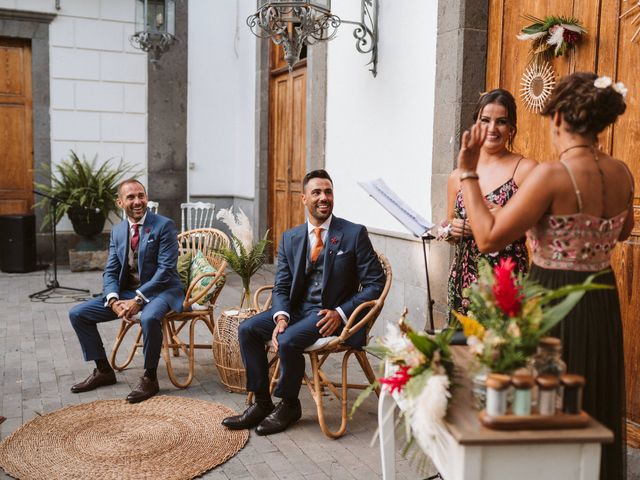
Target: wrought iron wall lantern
[
  {"x": 155, "y": 27},
  {"x": 294, "y": 23}
]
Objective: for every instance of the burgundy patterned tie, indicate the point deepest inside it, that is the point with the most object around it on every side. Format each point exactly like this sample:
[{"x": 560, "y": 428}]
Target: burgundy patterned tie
[{"x": 135, "y": 239}]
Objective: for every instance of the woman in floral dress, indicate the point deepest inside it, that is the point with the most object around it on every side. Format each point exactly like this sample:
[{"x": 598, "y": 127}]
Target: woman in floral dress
[
  {"x": 501, "y": 171},
  {"x": 574, "y": 211}
]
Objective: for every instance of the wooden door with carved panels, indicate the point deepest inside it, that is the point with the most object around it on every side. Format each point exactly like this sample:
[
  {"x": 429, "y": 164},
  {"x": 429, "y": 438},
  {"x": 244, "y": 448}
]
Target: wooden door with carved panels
[
  {"x": 287, "y": 142},
  {"x": 606, "y": 50},
  {"x": 16, "y": 134}
]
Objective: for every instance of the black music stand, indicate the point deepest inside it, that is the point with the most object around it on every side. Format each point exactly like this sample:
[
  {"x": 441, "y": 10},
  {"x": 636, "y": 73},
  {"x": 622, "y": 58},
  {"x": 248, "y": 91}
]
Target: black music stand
[
  {"x": 53, "y": 285},
  {"x": 426, "y": 238}
]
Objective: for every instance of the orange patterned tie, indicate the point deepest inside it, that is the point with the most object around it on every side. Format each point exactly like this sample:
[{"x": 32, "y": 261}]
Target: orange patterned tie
[{"x": 317, "y": 248}]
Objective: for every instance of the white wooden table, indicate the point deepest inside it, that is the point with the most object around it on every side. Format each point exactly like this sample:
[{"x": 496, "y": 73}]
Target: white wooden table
[{"x": 469, "y": 451}]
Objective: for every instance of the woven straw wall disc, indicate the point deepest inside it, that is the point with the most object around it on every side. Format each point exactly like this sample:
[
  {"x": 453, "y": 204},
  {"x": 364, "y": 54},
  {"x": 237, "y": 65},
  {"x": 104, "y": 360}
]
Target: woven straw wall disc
[{"x": 164, "y": 437}]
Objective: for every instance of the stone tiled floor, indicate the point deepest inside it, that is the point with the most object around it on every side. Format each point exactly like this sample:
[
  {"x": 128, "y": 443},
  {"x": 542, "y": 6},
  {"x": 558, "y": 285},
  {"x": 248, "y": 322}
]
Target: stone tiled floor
[{"x": 40, "y": 359}]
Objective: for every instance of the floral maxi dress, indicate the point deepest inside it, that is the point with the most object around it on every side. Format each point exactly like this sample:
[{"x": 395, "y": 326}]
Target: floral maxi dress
[{"x": 464, "y": 269}]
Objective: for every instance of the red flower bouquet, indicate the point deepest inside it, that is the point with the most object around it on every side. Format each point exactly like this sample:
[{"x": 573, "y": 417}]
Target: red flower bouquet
[{"x": 509, "y": 313}]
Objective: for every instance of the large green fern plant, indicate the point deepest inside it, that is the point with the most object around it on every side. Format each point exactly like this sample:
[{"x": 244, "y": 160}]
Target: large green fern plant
[
  {"x": 245, "y": 262},
  {"x": 80, "y": 182}
]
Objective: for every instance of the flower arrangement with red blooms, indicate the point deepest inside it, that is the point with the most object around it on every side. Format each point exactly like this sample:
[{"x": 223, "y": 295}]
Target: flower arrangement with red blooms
[
  {"x": 508, "y": 313},
  {"x": 419, "y": 368},
  {"x": 551, "y": 36}
]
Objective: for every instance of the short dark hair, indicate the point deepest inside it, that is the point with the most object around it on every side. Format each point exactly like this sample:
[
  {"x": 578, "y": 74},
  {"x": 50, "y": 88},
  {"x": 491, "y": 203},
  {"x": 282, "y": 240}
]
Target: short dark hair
[
  {"x": 586, "y": 109},
  {"x": 502, "y": 97},
  {"x": 315, "y": 174},
  {"x": 130, "y": 180}
]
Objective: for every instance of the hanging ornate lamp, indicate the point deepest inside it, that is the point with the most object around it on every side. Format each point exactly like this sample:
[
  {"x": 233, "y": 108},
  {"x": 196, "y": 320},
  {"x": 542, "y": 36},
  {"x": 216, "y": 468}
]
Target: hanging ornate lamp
[
  {"x": 155, "y": 27},
  {"x": 294, "y": 23}
]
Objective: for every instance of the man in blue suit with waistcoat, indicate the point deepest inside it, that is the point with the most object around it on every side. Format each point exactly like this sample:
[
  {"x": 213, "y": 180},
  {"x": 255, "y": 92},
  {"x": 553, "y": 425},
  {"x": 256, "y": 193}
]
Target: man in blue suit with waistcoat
[
  {"x": 326, "y": 268},
  {"x": 141, "y": 276}
]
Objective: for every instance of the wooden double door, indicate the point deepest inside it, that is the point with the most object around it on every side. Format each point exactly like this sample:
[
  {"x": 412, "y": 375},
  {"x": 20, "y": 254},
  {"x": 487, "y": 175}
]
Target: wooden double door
[
  {"x": 16, "y": 130},
  {"x": 287, "y": 143},
  {"x": 606, "y": 50}
]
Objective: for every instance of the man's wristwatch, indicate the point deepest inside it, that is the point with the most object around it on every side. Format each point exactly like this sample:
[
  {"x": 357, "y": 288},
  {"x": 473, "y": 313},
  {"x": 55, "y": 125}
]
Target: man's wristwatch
[{"x": 139, "y": 300}]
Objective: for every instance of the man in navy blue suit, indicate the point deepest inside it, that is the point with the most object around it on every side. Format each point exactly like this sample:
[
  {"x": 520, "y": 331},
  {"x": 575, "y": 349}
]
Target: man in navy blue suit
[
  {"x": 141, "y": 276},
  {"x": 326, "y": 268}
]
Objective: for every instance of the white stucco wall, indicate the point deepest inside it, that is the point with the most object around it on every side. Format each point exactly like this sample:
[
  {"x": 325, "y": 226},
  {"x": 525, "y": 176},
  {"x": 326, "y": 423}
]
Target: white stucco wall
[
  {"x": 221, "y": 99},
  {"x": 383, "y": 126},
  {"x": 98, "y": 81}
]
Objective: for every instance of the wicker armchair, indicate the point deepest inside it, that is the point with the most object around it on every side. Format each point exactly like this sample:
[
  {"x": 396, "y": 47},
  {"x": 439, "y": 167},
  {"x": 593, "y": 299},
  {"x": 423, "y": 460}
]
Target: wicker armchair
[
  {"x": 207, "y": 241},
  {"x": 320, "y": 351}
]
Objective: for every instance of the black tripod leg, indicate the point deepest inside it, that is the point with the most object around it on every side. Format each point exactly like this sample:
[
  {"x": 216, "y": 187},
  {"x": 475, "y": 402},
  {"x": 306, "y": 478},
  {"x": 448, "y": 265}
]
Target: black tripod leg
[{"x": 46, "y": 290}]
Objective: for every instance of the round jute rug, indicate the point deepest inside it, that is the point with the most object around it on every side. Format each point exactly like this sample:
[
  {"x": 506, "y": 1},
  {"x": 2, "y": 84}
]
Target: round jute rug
[{"x": 164, "y": 437}]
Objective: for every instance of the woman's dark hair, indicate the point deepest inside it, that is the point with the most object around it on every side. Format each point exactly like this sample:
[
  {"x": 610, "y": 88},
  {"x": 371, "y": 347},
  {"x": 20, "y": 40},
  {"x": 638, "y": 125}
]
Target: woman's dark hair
[
  {"x": 585, "y": 108},
  {"x": 504, "y": 98}
]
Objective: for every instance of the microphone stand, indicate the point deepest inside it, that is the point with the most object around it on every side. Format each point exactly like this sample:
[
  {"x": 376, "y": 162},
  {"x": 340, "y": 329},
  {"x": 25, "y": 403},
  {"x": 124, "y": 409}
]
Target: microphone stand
[{"x": 53, "y": 284}]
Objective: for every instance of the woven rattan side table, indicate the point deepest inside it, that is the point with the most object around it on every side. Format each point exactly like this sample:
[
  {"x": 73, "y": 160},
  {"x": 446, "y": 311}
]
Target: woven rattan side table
[{"x": 226, "y": 349}]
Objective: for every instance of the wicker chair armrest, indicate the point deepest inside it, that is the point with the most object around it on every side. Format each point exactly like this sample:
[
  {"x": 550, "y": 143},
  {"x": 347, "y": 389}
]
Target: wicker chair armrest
[
  {"x": 188, "y": 301},
  {"x": 349, "y": 328},
  {"x": 256, "y": 298}
]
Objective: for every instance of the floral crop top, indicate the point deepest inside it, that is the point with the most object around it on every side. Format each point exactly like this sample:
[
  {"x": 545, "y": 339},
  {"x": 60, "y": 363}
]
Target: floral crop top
[{"x": 578, "y": 241}]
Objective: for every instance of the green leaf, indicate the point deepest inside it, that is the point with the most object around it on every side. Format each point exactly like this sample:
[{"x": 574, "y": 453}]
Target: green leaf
[
  {"x": 423, "y": 343},
  {"x": 362, "y": 397}
]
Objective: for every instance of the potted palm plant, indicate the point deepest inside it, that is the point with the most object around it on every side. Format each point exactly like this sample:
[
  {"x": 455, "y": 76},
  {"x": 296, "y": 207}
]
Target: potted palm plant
[
  {"x": 243, "y": 257},
  {"x": 87, "y": 192}
]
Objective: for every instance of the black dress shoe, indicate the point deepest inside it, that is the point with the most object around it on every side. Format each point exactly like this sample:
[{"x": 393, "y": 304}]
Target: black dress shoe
[
  {"x": 145, "y": 389},
  {"x": 251, "y": 417},
  {"x": 95, "y": 380},
  {"x": 285, "y": 414}
]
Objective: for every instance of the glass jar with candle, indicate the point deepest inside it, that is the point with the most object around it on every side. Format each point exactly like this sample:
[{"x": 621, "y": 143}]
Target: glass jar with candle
[
  {"x": 497, "y": 386},
  {"x": 547, "y": 388},
  {"x": 522, "y": 385},
  {"x": 548, "y": 361},
  {"x": 548, "y": 358},
  {"x": 572, "y": 396}
]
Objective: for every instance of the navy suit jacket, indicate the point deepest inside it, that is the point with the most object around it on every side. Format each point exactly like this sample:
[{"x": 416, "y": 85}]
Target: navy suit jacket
[
  {"x": 157, "y": 260},
  {"x": 349, "y": 263}
]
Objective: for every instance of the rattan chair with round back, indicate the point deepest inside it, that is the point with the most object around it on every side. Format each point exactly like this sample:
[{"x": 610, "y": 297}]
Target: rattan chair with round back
[
  {"x": 208, "y": 241},
  {"x": 320, "y": 351}
]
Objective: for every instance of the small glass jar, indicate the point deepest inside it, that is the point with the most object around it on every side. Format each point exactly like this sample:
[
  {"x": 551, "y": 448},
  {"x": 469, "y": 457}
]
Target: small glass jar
[
  {"x": 523, "y": 385},
  {"x": 572, "y": 399},
  {"x": 479, "y": 388},
  {"x": 497, "y": 386},
  {"x": 547, "y": 388},
  {"x": 548, "y": 361}
]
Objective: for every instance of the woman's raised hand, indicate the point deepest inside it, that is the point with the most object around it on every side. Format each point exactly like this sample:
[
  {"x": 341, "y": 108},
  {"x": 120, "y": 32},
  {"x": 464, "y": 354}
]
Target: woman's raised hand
[{"x": 472, "y": 141}]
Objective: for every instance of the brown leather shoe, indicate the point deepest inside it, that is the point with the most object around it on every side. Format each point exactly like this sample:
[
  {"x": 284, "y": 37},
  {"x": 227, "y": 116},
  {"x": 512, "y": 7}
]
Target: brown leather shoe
[
  {"x": 95, "y": 380},
  {"x": 284, "y": 415},
  {"x": 145, "y": 389},
  {"x": 250, "y": 418}
]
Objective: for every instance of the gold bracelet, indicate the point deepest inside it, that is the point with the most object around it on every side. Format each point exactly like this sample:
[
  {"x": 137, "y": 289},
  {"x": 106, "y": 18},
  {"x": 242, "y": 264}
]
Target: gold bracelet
[{"x": 469, "y": 174}]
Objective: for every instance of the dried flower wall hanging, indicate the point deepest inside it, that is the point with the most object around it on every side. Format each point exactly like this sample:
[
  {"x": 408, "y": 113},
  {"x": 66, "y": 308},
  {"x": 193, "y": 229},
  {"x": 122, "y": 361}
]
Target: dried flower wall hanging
[
  {"x": 537, "y": 84},
  {"x": 551, "y": 36},
  {"x": 635, "y": 11}
]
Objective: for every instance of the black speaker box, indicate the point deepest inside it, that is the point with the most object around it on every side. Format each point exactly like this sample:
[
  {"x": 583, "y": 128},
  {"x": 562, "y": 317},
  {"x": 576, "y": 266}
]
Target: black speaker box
[{"x": 18, "y": 243}]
